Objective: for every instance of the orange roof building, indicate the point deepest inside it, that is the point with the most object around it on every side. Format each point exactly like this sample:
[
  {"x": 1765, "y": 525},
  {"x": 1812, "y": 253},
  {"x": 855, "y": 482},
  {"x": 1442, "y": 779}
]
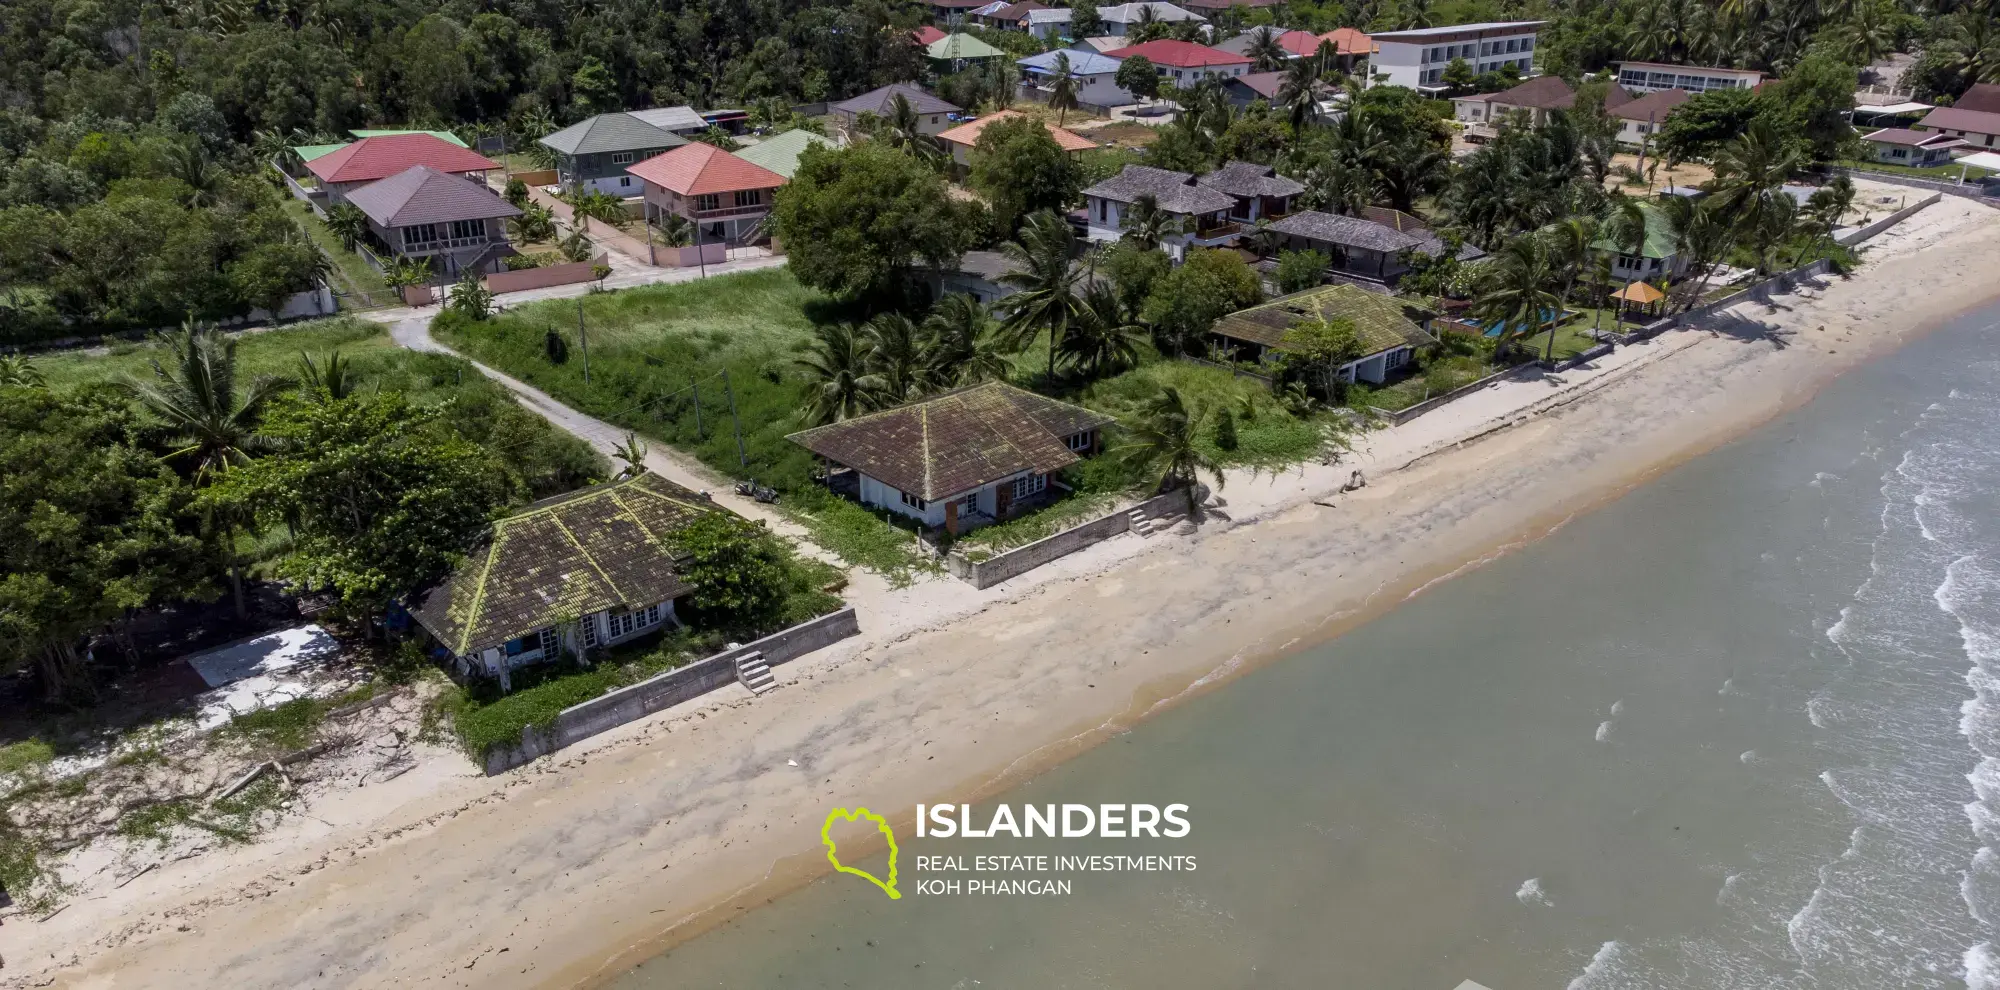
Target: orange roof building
[
  {"x": 374, "y": 158},
  {"x": 726, "y": 195},
  {"x": 962, "y": 138},
  {"x": 1349, "y": 41}
]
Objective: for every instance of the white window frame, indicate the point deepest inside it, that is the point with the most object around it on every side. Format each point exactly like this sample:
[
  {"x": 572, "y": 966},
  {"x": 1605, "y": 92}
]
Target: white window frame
[
  {"x": 1032, "y": 484},
  {"x": 921, "y": 505},
  {"x": 1078, "y": 442},
  {"x": 623, "y": 157},
  {"x": 589, "y": 626}
]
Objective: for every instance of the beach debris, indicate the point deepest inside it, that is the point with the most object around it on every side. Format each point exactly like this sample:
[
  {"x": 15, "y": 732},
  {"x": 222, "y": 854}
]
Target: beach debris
[
  {"x": 791, "y": 763},
  {"x": 142, "y": 871}
]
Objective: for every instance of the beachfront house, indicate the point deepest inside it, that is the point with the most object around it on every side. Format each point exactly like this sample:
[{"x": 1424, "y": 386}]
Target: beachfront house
[
  {"x": 597, "y": 153},
  {"x": 1903, "y": 146},
  {"x": 726, "y": 197},
  {"x": 1657, "y": 259},
  {"x": 1200, "y": 214},
  {"x": 569, "y": 574},
  {"x": 1977, "y": 128},
  {"x": 1370, "y": 248},
  {"x": 422, "y": 213},
  {"x": 1536, "y": 98},
  {"x": 1640, "y": 120},
  {"x": 959, "y": 459},
  {"x": 1417, "y": 58},
  {"x": 1390, "y": 330}
]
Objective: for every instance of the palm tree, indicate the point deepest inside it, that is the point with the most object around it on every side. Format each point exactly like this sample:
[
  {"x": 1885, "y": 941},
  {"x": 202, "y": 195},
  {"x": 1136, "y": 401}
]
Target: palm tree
[
  {"x": 901, "y": 130},
  {"x": 1568, "y": 245},
  {"x": 1750, "y": 172},
  {"x": 1973, "y": 53},
  {"x": 1062, "y": 92},
  {"x": 1265, "y": 54},
  {"x": 1518, "y": 290},
  {"x": 1625, "y": 228},
  {"x": 632, "y": 454},
  {"x": 189, "y": 162},
  {"x": 536, "y": 223},
  {"x": 1409, "y": 170},
  {"x": 1146, "y": 225},
  {"x": 1102, "y": 338},
  {"x": 347, "y": 222},
  {"x": 1298, "y": 92},
  {"x": 1165, "y": 440},
  {"x": 964, "y": 345},
  {"x": 840, "y": 384},
  {"x": 1824, "y": 208},
  {"x": 1703, "y": 235},
  {"x": 1040, "y": 258},
  {"x": 1868, "y": 34},
  {"x": 896, "y": 356},
  {"x": 16, "y": 369},
  {"x": 204, "y": 418},
  {"x": 595, "y": 204},
  {"x": 332, "y": 376}
]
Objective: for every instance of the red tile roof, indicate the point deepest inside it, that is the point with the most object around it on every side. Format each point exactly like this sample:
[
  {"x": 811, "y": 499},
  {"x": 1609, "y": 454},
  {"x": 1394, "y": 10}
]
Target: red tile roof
[
  {"x": 375, "y": 158},
  {"x": 927, "y": 34},
  {"x": 1652, "y": 106},
  {"x": 1983, "y": 97},
  {"x": 700, "y": 169},
  {"x": 1299, "y": 42},
  {"x": 1349, "y": 41},
  {"x": 968, "y": 133},
  {"x": 1180, "y": 54},
  {"x": 1961, "y": 119}
]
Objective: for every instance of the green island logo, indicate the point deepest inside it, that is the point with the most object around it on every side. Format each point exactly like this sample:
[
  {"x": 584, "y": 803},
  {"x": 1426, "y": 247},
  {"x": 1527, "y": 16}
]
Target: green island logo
[{"x": 833, "y": 856}]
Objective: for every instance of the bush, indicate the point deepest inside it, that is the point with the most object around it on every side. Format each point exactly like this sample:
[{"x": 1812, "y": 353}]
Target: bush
[
  {"x": 539, "y": 259},
  {"x": 1301, "y": 270}
]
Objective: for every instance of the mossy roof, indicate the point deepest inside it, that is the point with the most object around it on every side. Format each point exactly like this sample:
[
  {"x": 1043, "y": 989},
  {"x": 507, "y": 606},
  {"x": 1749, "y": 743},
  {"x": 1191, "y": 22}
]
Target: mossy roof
[
  {"x": 1384, "y": 323},
  {"x": 586, "y": 551}
]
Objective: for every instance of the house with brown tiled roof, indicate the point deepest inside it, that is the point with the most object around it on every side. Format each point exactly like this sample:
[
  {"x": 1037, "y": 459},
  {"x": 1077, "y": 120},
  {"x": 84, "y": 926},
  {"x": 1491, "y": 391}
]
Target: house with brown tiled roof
[
  {"x": 1903, "y": 146},
  {"x": 960, "y": 459},
  {"x": 424, "y": 213},
  {"x": 572, "y": 573},
  {"x": 1201, "y": 214},
  {"x": 1640, "y": 120},
  {"x": 1390, "y": 331},
  {"x": 1978, "y": 128},
  {"x": 1536, "y": 97}
]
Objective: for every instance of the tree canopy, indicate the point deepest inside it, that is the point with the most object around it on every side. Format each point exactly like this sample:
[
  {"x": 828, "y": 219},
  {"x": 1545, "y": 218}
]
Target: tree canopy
[
  {"x": 1018, "y": 166},
  {"x": 857, "y": 220}
]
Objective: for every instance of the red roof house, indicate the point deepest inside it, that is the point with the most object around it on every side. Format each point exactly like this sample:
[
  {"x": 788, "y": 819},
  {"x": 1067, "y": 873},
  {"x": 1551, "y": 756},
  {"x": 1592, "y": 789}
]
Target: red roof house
[
  {"x": 374, "y": 158},
  {"x": 726, "y": 195},
  {"x": 1350, "y": 41},
  {"x": 1185, "y": 60},
  {"x": 927, "y": 34}
]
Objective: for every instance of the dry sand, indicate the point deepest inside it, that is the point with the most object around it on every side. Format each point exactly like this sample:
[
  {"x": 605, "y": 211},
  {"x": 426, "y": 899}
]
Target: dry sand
[{"x": 585, "y": 862}]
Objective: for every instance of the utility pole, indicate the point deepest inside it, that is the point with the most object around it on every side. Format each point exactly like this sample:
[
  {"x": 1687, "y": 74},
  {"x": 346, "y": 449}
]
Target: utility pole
[
  {"x": 741, "y": 458},
  {"x": 583, "y": 340},
  {"x": 696, "y": 385}
]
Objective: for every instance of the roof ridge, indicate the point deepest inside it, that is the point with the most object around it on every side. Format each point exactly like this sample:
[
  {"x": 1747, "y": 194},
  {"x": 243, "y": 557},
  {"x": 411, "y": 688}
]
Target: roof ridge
[
  {"x": 479, "y": 592},
  {"x": 588, "y": 559}
]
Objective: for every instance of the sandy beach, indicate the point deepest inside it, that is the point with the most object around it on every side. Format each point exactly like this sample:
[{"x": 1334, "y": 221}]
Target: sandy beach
[{"x": 576, "y": 866}]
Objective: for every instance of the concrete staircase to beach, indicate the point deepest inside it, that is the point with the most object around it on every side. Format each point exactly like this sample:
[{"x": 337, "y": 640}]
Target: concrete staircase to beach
[
  {"x": 1141, "y": 523},
  {"x": 755, "y": 673}
]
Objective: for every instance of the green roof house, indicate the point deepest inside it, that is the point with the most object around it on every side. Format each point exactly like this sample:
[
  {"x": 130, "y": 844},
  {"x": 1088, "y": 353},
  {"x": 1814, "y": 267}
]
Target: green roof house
[
  {"x": 1658, "y": 257},
  {"x": 584, "y": 569},
  {"x": 595, "y": 153},
  {"x": 780, "y": 153},
  {"x": 959, "y": 49},
  {"x": 1390, "y": 331}
]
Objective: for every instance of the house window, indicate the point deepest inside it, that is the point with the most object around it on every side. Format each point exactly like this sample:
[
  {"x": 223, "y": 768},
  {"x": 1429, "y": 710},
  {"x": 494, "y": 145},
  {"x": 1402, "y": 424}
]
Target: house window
[
  {"x": 1397, "y": 358},
  {"x": 707, "y": 201},
  {"x": 516, "y": 647},
  {"x": 548, "y": 642},
  {"x": 467, "y": 229},
  {"x": 622, "y": 157},
  {"x": 624, "y": 181},
  {"x": 1079, "y": 442},
  {"x": 422, "y": 233},
  {"x": 749, "y": 197},
  {"x": 1103, "y": 211},
  {"x": 1024, "y": 487},
  {"x": 969, "y": 505},
  {"x": 914, "y": 502},
  {"x": 620, "y": 623},
  {"x": 1899, "y": 153},
  {"x": 589, "y": 625},
  {"x": 650, "y": 616}
]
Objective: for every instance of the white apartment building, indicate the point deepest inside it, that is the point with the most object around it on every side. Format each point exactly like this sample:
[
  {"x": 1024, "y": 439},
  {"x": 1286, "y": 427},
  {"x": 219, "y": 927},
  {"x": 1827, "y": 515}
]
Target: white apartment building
[
  {"x": 1417, "y": 59},
  {"x": 1651, "y": 77}
]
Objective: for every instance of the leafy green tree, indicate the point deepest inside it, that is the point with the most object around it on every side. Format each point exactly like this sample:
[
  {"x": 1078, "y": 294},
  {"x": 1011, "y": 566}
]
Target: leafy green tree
[
  {"x": 1816, "y": 97},
  {"x": 1301, "y": 270},
  {"x": 1133, "y": 271},
  {"x": 382, "y": 500},
  {"x": 1459, "y": 76},
  {"x": 740, "y": 573},
  {"x": 1705, "y": 122},
  {"x": 1320, "y": 347},
  {"x": 1086, "y": 22},
  {"x": 856, "y": 221},
  {"x": 267, "y": 276},
  {"x": 91, "y": 526},
  {"x": 470, "y": 298},
  {"x": 1018, "y": 166},
  {"x": 1138, "y": 76},
  {"x": 593, "y": 89},
  {"x": 1188, "y": 300}
]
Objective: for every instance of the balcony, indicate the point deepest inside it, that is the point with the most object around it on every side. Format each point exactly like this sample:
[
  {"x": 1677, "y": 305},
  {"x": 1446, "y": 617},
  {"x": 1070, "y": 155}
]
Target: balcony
[{"x": 725, "y": 212}]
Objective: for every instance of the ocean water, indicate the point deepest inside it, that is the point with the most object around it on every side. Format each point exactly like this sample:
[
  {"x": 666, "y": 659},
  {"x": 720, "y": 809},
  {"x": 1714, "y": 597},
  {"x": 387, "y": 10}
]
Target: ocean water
[{"x": 1740, "y": 728}]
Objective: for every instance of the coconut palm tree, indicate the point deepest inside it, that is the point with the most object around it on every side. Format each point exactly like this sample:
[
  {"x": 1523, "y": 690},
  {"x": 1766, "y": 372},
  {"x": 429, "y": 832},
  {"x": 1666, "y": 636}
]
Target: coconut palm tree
[
  {"x": 1062, "y": 91},
  {"x": 1703, "y": 234},
  {"x": 632, "y": 454},
  {"x": 195, "y": 398},
  {"x": 1165, "y": 440},
  {"x": 1146, "y": 224},
  {"x": 1973, "y": 51},
  {"x": 1298, "y": 92},
  {"x": 1518, "y": 290},
  {"x": 1568, "y": 244},
  {"x": 536, "y": 223},
  {"x": 840, "y": 384},
  {"x": 901, "y": 130},
  {"x": 1823, "y": 210},
  {"x": 963, "y": 342},
  {"x": 1750, "y": 172},
  {"x": 347, "y": 222},
  {"x": 1102, "y": 337},
  {"x": 1041, "y": 258},
  {"x": 1265, "y": 54},
  {"x": 331, "y": 377},
  {"x": 16, "y": 369},
  {"x": 189, "y": 162},
  {"x": 896, "y": 356}
]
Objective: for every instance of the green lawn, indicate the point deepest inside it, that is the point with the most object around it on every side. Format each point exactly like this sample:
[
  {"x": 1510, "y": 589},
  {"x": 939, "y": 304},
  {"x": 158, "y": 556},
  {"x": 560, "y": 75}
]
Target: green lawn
[
  {"x": 1571, "y": 338},
  {"x": 540, "y": 459},
  {"x": 1936, "y": 173},
  {"x": 359, "y": 284}
]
